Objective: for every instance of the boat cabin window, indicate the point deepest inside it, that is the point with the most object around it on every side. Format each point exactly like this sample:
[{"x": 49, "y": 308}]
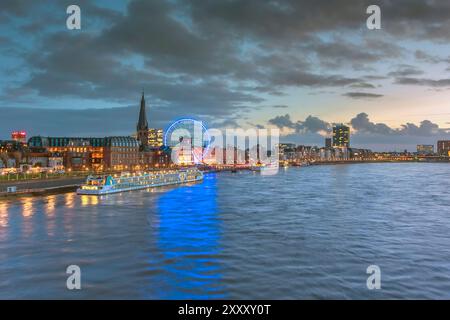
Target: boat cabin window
[{"x": 96, "y": 181}]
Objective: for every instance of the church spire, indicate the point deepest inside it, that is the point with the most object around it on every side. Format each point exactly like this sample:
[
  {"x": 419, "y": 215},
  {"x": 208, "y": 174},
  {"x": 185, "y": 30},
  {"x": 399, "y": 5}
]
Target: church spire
[{"x": 142, "y": 125}]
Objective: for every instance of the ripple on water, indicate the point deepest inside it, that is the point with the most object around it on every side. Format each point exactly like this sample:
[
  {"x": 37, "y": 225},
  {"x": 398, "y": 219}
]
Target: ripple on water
[{"x": 304, "y": 233}]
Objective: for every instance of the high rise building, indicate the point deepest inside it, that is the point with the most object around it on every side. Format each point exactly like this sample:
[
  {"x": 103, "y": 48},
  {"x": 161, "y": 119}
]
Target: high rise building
[
  {"x": 425, "y": 149},
  {"x": 443, "y": 147},
  {"x": 341, "y": 136},
  {"x": 142, "y": 125},
  {"x": 155, "y": 137},
  {"x": 328, "y": 143}
]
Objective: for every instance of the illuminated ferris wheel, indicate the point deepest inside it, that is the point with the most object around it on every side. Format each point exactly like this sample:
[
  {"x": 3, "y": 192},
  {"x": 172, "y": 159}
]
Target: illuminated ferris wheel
[{"x": 189, "y": 141}]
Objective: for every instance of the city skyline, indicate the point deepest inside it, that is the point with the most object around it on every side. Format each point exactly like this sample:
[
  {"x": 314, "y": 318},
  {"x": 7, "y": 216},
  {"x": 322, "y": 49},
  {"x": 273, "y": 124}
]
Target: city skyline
[{"x": 297, "y": 66}]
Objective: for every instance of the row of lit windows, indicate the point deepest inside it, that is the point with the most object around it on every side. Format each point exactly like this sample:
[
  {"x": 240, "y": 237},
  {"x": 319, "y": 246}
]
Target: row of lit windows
[
  {"x": 75, "y": 149},
  {"x": 124, "y": 156},
  {"x": 124, "y": 149},
  {"x": 114, "y": 162}
]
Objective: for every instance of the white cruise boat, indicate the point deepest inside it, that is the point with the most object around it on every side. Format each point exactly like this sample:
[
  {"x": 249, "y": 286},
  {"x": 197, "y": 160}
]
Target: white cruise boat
[
  {"x": 100, "y": 185},
  {"x": 266, "y": 169}
]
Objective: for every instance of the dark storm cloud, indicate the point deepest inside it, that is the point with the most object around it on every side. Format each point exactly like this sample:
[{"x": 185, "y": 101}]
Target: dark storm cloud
[
  {"x": 203, "y": 40},
  {"x": 363, "y": 85},
  {"x": 360, "y": 124},
  {"x": 152, "y": 30},
  {"x": 282, "y": 121},
  {"x": 423, "y": 82},
  {"x": 340, "y": 53},
  {"x": 39, "y": 15},
  {"x": 15, "y": 7},
  {"x": 299, "y": 78},
  {"x": 426, "y": 128},
  {"x": 313, "y": 125},
  {"x": 422, "y": 55},
  {"x": 362, "y": 95},
  {"x": 68, "y": 122},
  {"x": 82, "y": 68},
  {"x": 215, "y": 58},
  {"x": 405, "y": 70},
  {"x": 382, "y": 137},
  {"x": 417, "y": 19},
  {"x": 85, "y": 122},
  {"x": 280, "y": 20},
  {"x": 310, "y": 125}
]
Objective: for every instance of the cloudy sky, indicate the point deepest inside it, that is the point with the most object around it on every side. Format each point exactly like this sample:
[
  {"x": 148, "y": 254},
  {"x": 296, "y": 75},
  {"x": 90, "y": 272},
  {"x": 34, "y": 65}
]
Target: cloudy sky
[{"x": 299, "y": 65}]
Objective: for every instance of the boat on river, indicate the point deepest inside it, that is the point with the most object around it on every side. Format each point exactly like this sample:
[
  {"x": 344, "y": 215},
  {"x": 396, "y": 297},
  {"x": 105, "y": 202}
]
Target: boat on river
[{"x": 106, "y": 184}]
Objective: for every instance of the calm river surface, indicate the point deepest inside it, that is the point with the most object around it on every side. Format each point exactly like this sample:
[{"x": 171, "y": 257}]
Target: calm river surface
[{"x": 303, "y": 233}]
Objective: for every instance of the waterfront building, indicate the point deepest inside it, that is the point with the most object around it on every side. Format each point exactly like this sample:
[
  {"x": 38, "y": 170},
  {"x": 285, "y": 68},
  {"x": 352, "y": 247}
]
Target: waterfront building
[
  {"x": 38, "y": 159},
  {"x": 121, "y": 153},
  {"x": 12, "y": 153},
  {"x": 443, "y": 147},
  {"x": 287, "y": 152},
  {"x": 341, "y": 136},
  {"x": 55, "y": 163},
  {"x": 108, "y": 153},
  {"x": 156, "y": 157},
  {"x": 360, "y": 154},
  {"x": 328, "y": 143},
  {"x": 425, "y": 149},
  {"x": 78, "y": 153}
]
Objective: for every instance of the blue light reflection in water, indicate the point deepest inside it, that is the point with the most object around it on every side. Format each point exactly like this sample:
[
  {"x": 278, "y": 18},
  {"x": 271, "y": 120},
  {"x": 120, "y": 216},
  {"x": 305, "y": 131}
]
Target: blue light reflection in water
[
  {"x": 305, "y": 233},
  {"x": 188, "y": 236}
]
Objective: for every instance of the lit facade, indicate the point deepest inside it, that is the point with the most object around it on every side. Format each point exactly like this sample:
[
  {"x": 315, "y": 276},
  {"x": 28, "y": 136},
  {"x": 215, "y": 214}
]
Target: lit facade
[
  {"x": 443, "y": 147},
  {"x": 425, "y": 149},
  {"x": 11, "y": 153},
  {"x": 341, "y": 136},
  {"x": 121, "y": 153},
  {"x": 78, "y": 153},
  {"x": 287, "y": 152},
  {"x": 155, "y": 138}
]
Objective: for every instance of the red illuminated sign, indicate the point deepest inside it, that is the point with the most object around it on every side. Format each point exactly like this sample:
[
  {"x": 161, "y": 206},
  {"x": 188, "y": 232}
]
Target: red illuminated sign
[{"x": 19, "y": 135}]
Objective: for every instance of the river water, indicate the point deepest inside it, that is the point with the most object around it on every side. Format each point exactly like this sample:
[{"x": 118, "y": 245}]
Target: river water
[{"x": 305, "y": 233}]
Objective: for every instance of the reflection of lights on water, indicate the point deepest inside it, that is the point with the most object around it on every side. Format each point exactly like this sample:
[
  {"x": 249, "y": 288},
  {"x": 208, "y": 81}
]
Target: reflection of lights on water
[
  {"x": 50, "y": 206},
  {"x": 89, "y": 200},
  {"x": 84, "y": 200},
  {"x": 27, "y": 207},
  {"x": 69, "y": 200},
  {"x": 3, "y": 214},
  {"x": 188, "y": 235}
]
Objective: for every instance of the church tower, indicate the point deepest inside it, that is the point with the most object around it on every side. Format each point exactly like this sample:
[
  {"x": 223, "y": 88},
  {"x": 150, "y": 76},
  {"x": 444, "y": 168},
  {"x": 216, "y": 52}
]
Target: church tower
[{"x": 142, "y": 125}]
